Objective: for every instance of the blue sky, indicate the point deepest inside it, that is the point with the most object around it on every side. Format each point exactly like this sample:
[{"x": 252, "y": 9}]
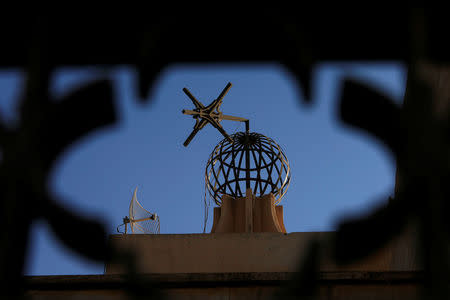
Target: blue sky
[{"x": 336, "y": 171}]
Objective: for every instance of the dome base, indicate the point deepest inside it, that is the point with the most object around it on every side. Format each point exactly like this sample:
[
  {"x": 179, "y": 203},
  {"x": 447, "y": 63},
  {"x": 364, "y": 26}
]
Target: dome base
[{"x": 248, "y": 214}]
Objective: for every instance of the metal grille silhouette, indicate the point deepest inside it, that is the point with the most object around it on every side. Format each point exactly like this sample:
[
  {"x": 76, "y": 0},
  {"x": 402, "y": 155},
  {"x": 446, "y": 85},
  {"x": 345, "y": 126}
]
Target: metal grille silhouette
[{"x": 299, "y": 39}]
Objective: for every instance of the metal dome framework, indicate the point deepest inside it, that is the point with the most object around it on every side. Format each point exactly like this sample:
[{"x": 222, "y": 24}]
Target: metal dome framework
[{"x": 253, "y": 161}]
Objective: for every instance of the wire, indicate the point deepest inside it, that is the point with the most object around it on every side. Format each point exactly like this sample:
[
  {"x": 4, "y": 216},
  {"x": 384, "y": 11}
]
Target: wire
[{"x": 206, "y": 213}]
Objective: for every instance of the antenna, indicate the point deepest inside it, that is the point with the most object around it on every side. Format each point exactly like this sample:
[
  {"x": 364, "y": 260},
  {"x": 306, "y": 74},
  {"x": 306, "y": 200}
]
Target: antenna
[
  {"x": 139, "y": 219},
  {"x": 210, "y": 114}
]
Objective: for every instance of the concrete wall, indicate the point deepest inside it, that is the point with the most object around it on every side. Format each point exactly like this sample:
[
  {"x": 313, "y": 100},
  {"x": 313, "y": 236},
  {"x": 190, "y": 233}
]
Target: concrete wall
[
  {"x": 331, "y": 285},
  {"x": 241, "y": 266},
  {"x": 249, "y": 252}
]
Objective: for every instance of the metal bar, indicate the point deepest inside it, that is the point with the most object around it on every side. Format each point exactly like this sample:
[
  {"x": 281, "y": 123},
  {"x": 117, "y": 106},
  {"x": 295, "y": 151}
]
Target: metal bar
[
  {"x": 194, "y": 100},
  {"x": 258, "y": 170},
  {"x": 239, "y": 173},
  {"x": 190, "y": 137},
  {"x": 247, "y": 164},
  {"x": 232, "y": 118},
  {"x": 144, "y": 219},
  {"x": 225, "y": 91},
  {"x": 232, "y": 166},
  {"x": 190, "y": 112},
  {"x": 222, "y": 117}
]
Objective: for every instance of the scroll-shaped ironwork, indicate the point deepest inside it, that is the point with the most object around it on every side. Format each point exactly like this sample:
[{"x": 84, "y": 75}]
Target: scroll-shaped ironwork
[{"x": 229, "y": 169}]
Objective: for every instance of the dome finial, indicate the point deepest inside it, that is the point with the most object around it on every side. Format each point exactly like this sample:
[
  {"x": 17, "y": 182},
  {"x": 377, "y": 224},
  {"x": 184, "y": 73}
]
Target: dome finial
[{"x": 210, "y": 114}]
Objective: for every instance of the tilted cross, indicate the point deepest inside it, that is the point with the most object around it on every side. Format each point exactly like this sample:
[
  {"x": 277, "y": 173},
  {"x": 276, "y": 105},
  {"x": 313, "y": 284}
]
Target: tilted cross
[{"x": 209, "y": 114}]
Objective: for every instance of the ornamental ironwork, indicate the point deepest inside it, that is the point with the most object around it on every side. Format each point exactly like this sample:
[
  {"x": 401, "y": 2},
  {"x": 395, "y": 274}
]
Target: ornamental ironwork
[{"x": 252, "y": 160}]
